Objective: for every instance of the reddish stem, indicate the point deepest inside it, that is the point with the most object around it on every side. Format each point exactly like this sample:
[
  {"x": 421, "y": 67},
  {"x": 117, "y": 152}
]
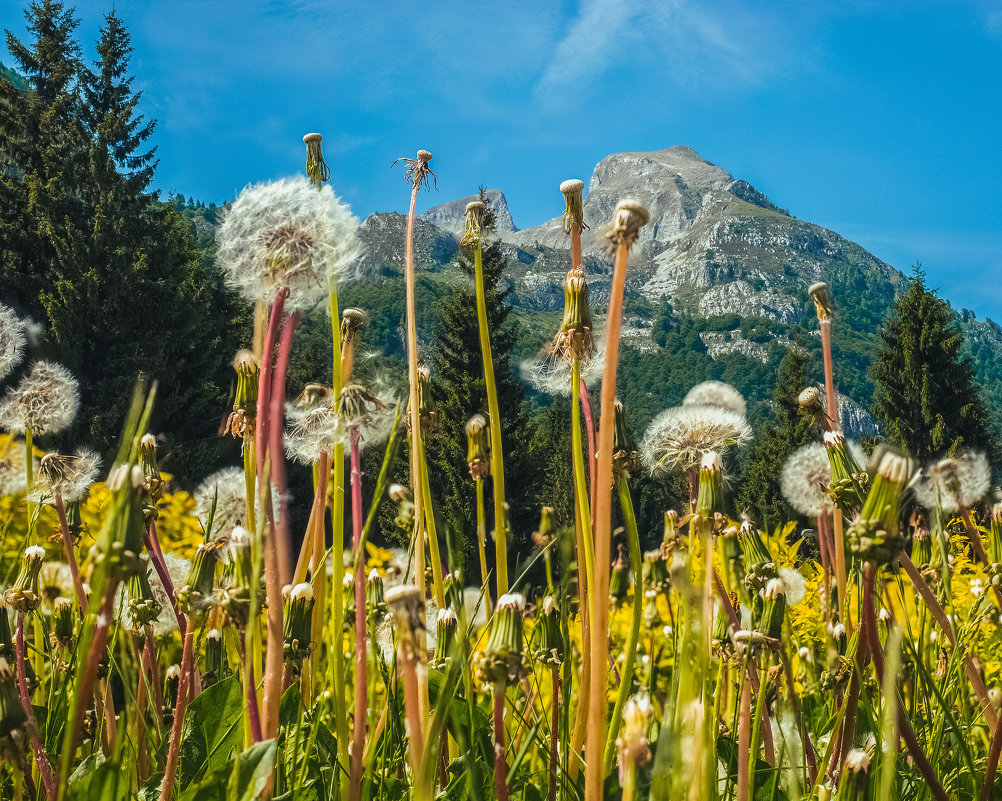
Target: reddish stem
[
  {"x": 276, "y": 435},
  {"x": 500, "y": 763},
  {"x": 150, "y": 658},
  {"x": 253, "y": 713},
  {"x": 744, "y": 739},
  {"x": 160, "y": 566},
  {"x": 44, "y": 769},
  {"x": 991, "y": 765},
  {"x": 361, "y": 658},
  {"x": 264, "y": 383},
  {"x": 184, "y": 688},
  {"x": 71, "y": 557}
]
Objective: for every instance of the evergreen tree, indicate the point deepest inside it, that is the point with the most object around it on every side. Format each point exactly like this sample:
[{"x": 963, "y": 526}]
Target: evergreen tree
[
  {"x": 115, "y": 275},
  {"x": 927, "y": 400},
  {"x": 759, "y": 495},
  {"x": 459, "y": 393}
]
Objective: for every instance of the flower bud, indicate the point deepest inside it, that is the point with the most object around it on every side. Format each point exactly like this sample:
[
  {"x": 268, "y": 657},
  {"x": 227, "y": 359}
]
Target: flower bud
[
  {"x": 634, "y": 749},
  {"x": 849, "y": 481},
  {"x": 401, "y": 496},
  {"x": 502, "y": 659},
  {"x": 143, "y": 608},
  {"x": 656, "y": 576},
  {"x": 625, "y": 457},
  {"x": 773, "y": 609},
  {"x": 426, "y": 406},
  {"x": 546, "y": 532},
  {"x": 574, "y": 339},
  {"x": 196, "y": 595},
  {"x": 374, "y": 594},
  {"x": 353, "y": 324},
  {"x": 446, "y": 627},
  {"x": 213, "y": 658},
  {"x": 710, "y": 500},
  {"x": 406, "y": 603},
  {"x": 549, "y": 637},
  {"x": 478, "y": 455},
  {"x": 298, "y": 615},
  {"x": 241, "y": 421},
  {"x": 874, "y": 536},
  {"x": 23, "y": 596},
  {"x": 61, "y": 635},
  {"x": 855, "y": 779},
  {"x": 619, "y": 579}
]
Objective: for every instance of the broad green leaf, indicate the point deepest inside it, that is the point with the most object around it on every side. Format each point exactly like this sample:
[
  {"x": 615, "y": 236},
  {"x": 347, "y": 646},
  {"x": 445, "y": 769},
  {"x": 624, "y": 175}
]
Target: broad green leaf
[
  {"x": 212, "y": 730},
  {"x": 106, "y": 783}
]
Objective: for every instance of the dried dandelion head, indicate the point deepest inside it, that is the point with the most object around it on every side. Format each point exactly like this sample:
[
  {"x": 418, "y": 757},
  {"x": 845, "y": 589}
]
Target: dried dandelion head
[
  {"x": 812, "y": 403},
  {"x": 716, "y": 393},
  {"x": 473, "y": 234},
  {"x": 427, "y": 415},
  {"x": 822, "y": 301},
  {"x": 69, "y": 476},
  {"x": 316, "y": 167},
  {"x": 418, "y": 172},
  {"x": 46, "y": 401},
  {"x": 952, "y": 483},
  {"x": 287, "y": 237},
  {"x": 24, "y": 595},
  {"x": 629, "y": 217},
  {"x": 573, "y": 191},
  {"x": 313, "y": 425},
  {"x": 679, "y": 437},
  {"x": 478, "y": 454},
  {"x": 625, "y": 457},
  {"x": 575, "y": 338},
  {"x": 12, "y": 341},
  {"x": 241, "y": 422},
  {"x": 353, "y": 324}
]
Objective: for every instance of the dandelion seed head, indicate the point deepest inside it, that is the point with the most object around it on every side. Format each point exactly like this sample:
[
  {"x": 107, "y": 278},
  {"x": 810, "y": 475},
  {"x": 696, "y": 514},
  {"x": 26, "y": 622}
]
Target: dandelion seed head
[
  {"x": 178, "y": 569},
  {"x": 370, "y": 412},
  {"x": 228, "y": 489},
  {"x": 13, "y": 478},
  {"x": 71, "y": 476},
  {"x": 679, "y": 437},
  {"x": 12, "y": 341},
  {"x": 716, "y": 393},
  {"x": 46, "y": 400},
  {"x": 966, "y": 478},
  {"x": 287, "y": 235},
  {"x": 551, "y": 374},
  {"x": 805, "y": 475},
  {"x": 312, "y": 431},
  {"x": 55, "y": 580},
  {"x": 794, "y": 585}
]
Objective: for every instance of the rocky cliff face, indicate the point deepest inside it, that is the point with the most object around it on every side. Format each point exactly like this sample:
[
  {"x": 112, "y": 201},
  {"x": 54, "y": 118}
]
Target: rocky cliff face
[{"x": 451, "y": 216}]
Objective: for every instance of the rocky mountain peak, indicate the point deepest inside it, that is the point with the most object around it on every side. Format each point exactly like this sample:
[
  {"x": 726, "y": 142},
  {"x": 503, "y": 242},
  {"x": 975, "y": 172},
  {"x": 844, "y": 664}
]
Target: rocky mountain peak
[{"x": 451, "y": 216}]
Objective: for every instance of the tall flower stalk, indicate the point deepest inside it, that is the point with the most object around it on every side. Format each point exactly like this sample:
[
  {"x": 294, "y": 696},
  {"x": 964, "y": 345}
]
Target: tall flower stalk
[
  {"x": 473, "y": 237},
  {"x": 630, "y": 216}
]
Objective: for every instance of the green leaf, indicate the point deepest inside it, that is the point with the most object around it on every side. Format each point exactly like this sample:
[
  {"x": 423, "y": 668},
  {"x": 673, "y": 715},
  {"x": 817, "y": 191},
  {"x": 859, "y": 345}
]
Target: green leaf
[
  {"x": 243, "y": 778},
  {"x": 212, "y": 730},
  {"x": 107, "y": 783}
]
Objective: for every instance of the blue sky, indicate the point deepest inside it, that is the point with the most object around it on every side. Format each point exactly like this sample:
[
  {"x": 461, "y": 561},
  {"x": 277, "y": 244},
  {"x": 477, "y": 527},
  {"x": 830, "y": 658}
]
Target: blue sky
[{"x": 880, "y": 120}]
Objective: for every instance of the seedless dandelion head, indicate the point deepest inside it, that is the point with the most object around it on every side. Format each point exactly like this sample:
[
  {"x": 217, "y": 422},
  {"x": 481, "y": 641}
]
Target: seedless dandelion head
[
  {"x": 287, "y": 236},
  {"x": 679, "y": 437},
  {"x": 716, "y": 393},
  {"x": 46, "y": 400},
  {"x": 573, "y": 192},
  {"x": 627, "y": 220},
  {"x": 12, "y": 341},
  {"x": 965, "y": 479}
]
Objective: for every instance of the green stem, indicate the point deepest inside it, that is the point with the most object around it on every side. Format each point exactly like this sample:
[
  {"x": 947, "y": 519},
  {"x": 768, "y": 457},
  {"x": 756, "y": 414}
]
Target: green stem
[
  {"x": 757, "y": 729},
  {"x": 626, "y": 680},
  {"x": 482, "y": 541},
  {"x": 580, "y": 487},
  {"x": 429, "y": 514},
  {"x": 494, "y": 414}
]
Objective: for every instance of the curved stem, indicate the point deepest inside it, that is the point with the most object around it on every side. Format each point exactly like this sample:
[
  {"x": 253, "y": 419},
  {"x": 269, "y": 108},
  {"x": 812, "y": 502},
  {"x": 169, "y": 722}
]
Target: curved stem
[
  {"x": 41, "y": 760},
  {"x": 361, "y": 656},
  {"x": 626, "y": 682},
  {"x": 594, "y": 772},
  {"x": 71, "y": 557},
  {"x": 160, "y": 566},
  {"x": 494, "y": 415}
]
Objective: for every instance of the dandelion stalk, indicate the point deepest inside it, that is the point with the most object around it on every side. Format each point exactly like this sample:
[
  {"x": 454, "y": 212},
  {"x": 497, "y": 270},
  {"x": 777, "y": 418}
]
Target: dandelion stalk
[
  {"x": 473, "y": 236},
  {"x": 361, "y": 658},
  {"x": 41, "y": 760},
  {"x": 630, "y": 216}
]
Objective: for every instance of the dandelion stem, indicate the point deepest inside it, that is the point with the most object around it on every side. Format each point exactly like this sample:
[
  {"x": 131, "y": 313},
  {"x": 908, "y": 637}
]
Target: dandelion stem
[
  {"x": 744, "y": 739},
  {"x": 184, "y": 694},
  {"x": 554, "y": 730},
  {"x": 160, "y": 566},
  {"x": 594, "y": 766},
  {"x": 71, "y": 557},
  {"x": 41, "y": 760},
  {"x": 482, "y": 541},
  {"x": 494, "y": 418},
  {"x": 361, "y": 657},
  {"x": 500, "y": 762},
  {"x": 277, "y": 447},
  {"x": 991, "y": 765},
  {"x": 626, "y": 682}
]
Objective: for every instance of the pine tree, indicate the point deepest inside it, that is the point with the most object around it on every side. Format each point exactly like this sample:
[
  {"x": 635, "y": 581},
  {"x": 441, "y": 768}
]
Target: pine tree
[
  {"x": 927, "y": 400},
  {"x": 759, "y": 495},
  {"x": 459, "y": 393}
]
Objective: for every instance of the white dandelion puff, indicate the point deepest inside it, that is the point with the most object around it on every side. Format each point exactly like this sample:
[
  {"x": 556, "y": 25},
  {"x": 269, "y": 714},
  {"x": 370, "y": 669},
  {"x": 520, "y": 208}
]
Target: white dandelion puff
[
  {"x": 716, "y": 393},
  {"x": 679, "y": 437},
  {"x": 551, "y": 374},
  {"x": 46, "y": 401},
  {"x": 312, "y": 431},
  {"x": 71, "y": 476},
  {"x": 287, "y": 236},
  {"x": 370, "y": 413},
  {"x": 12, "y": 341},
  {"x": 13, "y": 476},
  {"x": 178, "y": 569},
  {"x": 55, "y": 580},
  {"x": 965, "y": 479},
  {"x": 805, "y": 475},
  {"x": 794, "y": 584}
]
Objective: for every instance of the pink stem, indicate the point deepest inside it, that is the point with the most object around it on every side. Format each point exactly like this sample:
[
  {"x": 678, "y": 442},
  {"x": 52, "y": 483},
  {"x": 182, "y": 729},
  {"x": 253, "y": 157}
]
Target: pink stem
[
  {"x": 160, "y": 566},
  {"x": 992, "y": 765},
  {"x": 264, "y": 382},
  {"x": 253, "y": 713},
  {"x": 184, "y": 696},
  {"x": 71, "y": 557},
  {"x": 150, "y": 657},
  {"x": 44, "y": 769},
  {"x": 500, "y": 763},
  {"x": 276, "y": 435},
  {"x": 361, "y": 659}
]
